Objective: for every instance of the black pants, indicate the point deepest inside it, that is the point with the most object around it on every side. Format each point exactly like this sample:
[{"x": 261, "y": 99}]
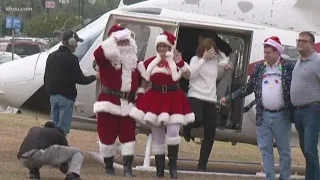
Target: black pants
[{"x": 206, "y": 116}]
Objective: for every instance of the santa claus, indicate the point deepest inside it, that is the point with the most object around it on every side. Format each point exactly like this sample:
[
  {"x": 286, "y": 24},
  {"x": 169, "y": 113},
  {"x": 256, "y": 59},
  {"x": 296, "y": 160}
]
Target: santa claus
[
  {"x": 164, "y": 106},
  {"x": 117, "y": 62}
]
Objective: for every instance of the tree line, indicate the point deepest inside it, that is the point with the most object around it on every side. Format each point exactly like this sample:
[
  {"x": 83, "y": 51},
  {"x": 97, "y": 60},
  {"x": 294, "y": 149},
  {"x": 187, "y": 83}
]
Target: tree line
[{"x": 46, "y": 23}]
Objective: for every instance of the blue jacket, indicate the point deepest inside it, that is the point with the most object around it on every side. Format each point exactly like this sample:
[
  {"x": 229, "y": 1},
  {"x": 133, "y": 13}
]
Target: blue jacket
[{"x": 255, "y": 85}]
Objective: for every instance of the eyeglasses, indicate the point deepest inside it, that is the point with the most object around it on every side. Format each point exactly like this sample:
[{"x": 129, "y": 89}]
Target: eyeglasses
[{"x": 302, "y": 41}]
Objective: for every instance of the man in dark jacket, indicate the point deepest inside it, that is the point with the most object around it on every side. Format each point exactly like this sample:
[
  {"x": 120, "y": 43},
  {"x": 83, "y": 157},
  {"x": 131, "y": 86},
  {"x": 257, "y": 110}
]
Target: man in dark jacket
[
  {"x": 49, "y": 146},
  {"x": 62, "y": 73}
]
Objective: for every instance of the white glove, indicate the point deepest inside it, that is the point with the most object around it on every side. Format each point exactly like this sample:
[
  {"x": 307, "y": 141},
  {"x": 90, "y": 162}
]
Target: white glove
[
  {"x": 169, "y": 55},
  {"x": 119, "y": 35}
]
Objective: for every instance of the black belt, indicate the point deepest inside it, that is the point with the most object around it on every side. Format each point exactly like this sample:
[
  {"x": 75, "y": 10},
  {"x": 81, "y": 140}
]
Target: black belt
[
  {"x": 130, "y": 96},
  {"x": 274, "y": 111},
  {"x": 307, "y": 105},
  {"x": 30, "y": 155},
  {"x": 165, "y": 88}
]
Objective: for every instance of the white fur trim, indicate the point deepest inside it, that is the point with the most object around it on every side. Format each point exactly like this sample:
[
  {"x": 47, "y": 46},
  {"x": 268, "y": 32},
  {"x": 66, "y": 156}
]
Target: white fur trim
[
  {"x": 173, "y": 140},
  {"x": 162, "y": 119},
  {"x": 175, "y": 74},
  {"x": 273, "y": 43},
  {"x": 159, "y": 149},
  {"x": 163, "y": 39},
  {"x": 126, "y": 79},
  {"x": 140, "y": 90},
  {"x": 184, "y": 68},
  {"x": 158, "y": 69},
  {"x": 153, "y": 63},
  {"x": 153, "y": 68},
  {"x": 126, "y": 31},
  {"x": 136, "y": 114},
  {"x": 107, "y": 150},
  {"x": 128, "y": 148},
  {"x": 110, "y": 49},
  {"x": 176, "y": 118},
  {"x": 106, "y": 106},
  {"x": 133, "y": 44},
  {"x": 143, "y": 71},
  {"x": 121, "y": 34},
  {"x": 150, "y": 117}
]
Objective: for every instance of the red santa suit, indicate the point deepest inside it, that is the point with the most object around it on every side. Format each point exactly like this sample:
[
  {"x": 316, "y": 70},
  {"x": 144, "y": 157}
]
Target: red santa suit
[
  {"x": 118, "y": 74},
  {"x": 164, "y": 104}
]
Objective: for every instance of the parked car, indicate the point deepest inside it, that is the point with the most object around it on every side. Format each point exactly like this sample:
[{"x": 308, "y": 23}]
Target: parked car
[
  {"x": 7, "y": 56},
  {"x": 22, "y": 48}
]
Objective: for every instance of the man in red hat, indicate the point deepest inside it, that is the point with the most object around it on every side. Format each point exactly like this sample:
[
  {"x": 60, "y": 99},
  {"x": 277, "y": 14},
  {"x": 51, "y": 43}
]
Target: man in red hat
[
  {"x": 117, "y": 62},
  {"x": 271, "y": 81}
]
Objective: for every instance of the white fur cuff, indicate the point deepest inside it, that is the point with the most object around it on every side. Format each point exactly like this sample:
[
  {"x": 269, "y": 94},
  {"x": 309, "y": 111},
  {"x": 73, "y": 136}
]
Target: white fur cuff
[
  {"x": 140, "y": 90},
  {"x": 110, "y": 49},
  {"x": 173, "y": 140},
  {"x": 158, "y": 149},
  {"x": 128, "y": 148},
  {"x": 107, "y": 150}
]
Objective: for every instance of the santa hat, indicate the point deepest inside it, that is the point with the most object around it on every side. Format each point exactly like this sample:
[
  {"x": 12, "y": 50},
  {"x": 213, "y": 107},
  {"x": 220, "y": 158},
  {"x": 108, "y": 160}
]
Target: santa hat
[
  {"x": 109, "y": 46},
  {"x": 274, "y": 41},
  {"x": 119, "y": 32},
  {"x": 115, "y": 28},
  {"x": 167, "y": 38}
]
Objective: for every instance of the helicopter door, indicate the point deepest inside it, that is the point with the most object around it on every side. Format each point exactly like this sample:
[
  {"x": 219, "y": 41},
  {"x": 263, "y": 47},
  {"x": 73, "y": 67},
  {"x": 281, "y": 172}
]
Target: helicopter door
[{"x": 145, "y": 30}]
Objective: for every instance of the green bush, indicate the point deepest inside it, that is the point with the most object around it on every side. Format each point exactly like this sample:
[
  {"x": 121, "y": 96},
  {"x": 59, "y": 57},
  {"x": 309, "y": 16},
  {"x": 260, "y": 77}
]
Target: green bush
[{"x": 49, "y": 24}]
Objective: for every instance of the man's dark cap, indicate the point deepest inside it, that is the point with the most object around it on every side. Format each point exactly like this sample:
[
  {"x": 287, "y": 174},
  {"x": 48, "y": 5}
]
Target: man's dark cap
[
  {"x": 68, "y": 34},
  {"x": 49, "y": 124}
]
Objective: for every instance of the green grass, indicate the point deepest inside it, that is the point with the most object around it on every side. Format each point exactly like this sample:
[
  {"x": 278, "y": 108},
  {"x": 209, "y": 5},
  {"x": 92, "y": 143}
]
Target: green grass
[{"x": 14, "y": 127}]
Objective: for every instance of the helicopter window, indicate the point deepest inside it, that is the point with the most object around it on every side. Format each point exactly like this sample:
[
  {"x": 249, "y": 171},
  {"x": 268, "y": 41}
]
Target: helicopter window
[
  {"x": 141, "y": 34},
  {"x": 290, "y": 53},
  {"x": 84, "y": 46},
  {"x": 130, "y": 2}
]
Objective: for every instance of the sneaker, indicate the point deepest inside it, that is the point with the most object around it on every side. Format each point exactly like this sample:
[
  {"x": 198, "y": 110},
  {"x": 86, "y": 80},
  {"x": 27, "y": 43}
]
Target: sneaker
[
  {"x": 34, "y": 177},
  {"x": 72, "y": 176},
  {"x": 34, "y": 174}
]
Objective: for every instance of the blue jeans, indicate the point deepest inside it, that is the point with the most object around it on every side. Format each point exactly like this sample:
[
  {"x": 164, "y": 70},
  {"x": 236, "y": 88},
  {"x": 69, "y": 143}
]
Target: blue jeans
[
  {"x": 61, "y": 112},
  {"x": 275, "y": 126},
  {"x": 307, "y": 122}
]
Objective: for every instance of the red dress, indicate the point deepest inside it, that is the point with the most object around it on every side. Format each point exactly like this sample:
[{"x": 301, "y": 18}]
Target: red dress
[{"x": 158, "y": 108}]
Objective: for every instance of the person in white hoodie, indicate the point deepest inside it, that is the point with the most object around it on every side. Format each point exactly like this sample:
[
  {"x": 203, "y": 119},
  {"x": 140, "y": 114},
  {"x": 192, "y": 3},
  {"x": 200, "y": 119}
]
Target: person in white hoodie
[{"x": 202, "y": 95}]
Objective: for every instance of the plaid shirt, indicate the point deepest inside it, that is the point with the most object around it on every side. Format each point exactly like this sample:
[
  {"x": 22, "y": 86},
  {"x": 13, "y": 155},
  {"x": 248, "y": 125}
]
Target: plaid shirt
[{"x": 255, "y": 85}]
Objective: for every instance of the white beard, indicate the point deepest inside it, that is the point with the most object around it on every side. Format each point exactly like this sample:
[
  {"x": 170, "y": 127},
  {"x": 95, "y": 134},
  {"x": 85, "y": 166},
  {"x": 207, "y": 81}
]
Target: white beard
[{"x": 128, "y": 58}]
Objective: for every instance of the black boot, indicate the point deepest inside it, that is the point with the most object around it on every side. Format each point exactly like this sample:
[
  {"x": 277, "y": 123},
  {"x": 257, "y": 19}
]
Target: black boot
[
  {"x": 187, "y": 133},
  {"x": 127, "y": 166},
  {"x": 109, "y": 166},
  {"x": 206, "y": 147},
  {"x": 34, "y": 174},
  {"x": 160, "y": 160},
  {"x": 173, "y": 155}
]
